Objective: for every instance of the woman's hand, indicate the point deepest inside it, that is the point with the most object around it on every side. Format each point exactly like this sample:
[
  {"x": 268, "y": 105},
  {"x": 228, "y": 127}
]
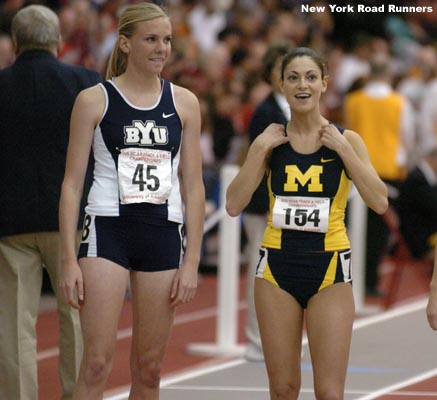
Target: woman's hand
[
  {"x": 273, "y": 136},
  {"x": 71, "y": 279},
  {"x": 431, "y": 310},
  {"x": 184, "y": 285},
  {"x": 331, "y": 137}
]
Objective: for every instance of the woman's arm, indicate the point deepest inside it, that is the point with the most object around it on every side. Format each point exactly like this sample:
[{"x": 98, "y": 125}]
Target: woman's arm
[
  {"x": 251, "y": 173},
  {"x": 353, "y": 152},
  {"x": 193, "y": 193},
  {"x": 86, "y": 113},
  {"x": 431, "y": 308}
]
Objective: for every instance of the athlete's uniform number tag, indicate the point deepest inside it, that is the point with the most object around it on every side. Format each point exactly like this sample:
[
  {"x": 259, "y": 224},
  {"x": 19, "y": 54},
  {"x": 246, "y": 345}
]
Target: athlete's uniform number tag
[
  {"x": 144, "y": 176},
  {"x": 301, "y": 213}
]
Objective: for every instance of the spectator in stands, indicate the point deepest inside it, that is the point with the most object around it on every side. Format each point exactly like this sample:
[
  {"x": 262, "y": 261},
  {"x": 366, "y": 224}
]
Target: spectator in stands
[
  {"x": 36, "y": 98},
  {"x": 418, "y": 207},
  {"x": 428, "y": 115},
  {"x": 353, "y": 65},
  {"x": 417, "y": 85},
  {"x": 273, "y": 109},
  {"x": 206, "y": 20},
  {"x": 385, "y": 121},
  {"x": 77, "y": 21}
]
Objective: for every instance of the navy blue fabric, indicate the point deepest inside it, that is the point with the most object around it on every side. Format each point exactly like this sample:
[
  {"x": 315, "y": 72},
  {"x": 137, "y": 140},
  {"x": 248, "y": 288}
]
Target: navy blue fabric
[
  {"x": 37, "y": 94},
  {"x": 120, "y": 115},
  {"x": 266, "y": 113}
]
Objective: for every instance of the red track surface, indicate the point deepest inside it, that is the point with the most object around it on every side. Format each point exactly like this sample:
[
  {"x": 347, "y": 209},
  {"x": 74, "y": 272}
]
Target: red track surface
[
  {"x": 201, "y": 330},
  {"x": 177, "y": 359}
]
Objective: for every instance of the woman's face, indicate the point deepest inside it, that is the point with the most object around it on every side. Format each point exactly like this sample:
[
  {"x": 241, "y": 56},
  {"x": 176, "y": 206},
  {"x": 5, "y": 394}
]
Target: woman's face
[
  {"x": 303, "y": 84},
  {"x": 149, "y": 48}
]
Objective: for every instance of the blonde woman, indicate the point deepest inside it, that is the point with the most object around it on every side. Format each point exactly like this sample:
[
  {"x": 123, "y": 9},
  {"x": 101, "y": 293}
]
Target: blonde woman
[{"x": 134, "y": 123}]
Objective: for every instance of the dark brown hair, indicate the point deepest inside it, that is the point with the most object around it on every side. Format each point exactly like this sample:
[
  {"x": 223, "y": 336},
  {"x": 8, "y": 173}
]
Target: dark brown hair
[{"x": 304, "y": 52}]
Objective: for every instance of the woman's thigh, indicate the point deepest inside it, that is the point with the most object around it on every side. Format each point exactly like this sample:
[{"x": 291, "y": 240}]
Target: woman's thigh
[
  {"x": 329, "y": 321},
  {"x": 152, "y": 314},
  {"x": 105, "y": 286},
  {"x": 280, "y": 318}
]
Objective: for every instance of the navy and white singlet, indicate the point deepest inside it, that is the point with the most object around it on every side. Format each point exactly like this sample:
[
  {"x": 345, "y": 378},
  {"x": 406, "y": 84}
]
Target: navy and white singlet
[{"x": 136, "y": 157}]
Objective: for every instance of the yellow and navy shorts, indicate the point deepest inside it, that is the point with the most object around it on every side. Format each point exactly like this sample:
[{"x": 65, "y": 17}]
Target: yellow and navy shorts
[
  {"x": 304, "y": 274},
  {"x": 132, "y": 242}
]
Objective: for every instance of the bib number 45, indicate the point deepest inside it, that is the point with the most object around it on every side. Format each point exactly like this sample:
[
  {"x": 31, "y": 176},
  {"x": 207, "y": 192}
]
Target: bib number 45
[
  {"x": 144, "y": 176},
  {"x": 151, "y": 181}
]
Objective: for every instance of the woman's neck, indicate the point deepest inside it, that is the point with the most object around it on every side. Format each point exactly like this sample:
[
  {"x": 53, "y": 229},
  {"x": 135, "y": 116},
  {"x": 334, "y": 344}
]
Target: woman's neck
[
  {"x": 305, "y": 124},
  {"x": 143, "y": 91}
]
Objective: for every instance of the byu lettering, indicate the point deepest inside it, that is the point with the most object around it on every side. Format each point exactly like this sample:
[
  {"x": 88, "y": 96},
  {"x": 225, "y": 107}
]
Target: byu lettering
[{"x": 145, "y": 134}]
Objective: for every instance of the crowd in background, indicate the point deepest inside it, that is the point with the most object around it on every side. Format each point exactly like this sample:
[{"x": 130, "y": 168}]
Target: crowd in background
[{"x": 218, "y": 47}]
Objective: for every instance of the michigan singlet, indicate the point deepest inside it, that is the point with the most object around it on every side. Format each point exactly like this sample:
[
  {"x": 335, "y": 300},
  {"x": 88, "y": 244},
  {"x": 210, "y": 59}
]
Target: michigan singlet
[
  {"x": 136, "y": 152},
  {"x": 305, "y": 246}
]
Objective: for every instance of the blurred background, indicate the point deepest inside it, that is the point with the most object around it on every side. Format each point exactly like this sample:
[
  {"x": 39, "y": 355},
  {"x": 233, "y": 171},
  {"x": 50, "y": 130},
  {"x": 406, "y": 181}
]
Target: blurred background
[{"x": 218, "y": 48}]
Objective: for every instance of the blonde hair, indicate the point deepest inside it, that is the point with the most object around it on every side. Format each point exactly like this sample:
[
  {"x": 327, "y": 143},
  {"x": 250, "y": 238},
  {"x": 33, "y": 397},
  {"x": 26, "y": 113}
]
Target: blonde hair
[
  {"x": 126, "y": 26},
  {"x": 35, "y": 27}
]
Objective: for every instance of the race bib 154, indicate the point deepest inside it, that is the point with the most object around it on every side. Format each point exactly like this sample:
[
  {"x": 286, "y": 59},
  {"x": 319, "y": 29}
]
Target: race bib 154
[{"x": 301, "y": 213}]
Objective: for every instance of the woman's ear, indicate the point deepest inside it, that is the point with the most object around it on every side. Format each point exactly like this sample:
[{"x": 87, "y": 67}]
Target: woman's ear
[
  {"x": 123, "y": 44},
  {"x": 325, "y": 83}
]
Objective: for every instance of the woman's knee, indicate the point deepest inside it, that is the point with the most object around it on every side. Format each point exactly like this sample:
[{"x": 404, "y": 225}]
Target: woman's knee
[
  {"x": 96, "y": 369},
  {"x": 329, "y": 393},
  {"x": 146, "y": 370},
  {"x": 285, "y": 391}
]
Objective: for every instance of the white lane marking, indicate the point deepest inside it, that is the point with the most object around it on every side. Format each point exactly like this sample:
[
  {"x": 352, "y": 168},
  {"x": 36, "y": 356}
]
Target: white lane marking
[
  {"x": 360, "y": 323},
  {"x": 407, "y": 382},
  {"x": 183, "y": 318}
]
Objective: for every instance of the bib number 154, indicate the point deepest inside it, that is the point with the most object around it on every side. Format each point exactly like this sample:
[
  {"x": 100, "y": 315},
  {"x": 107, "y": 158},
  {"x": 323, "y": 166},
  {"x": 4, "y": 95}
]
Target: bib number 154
[{"x": 301, "y": 213}]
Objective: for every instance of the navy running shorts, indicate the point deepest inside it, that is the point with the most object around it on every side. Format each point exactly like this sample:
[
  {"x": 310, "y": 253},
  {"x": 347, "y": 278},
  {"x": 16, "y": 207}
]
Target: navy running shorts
[
  {"x": 304, "y": 274},
  {"x": 132, "y": 242}
]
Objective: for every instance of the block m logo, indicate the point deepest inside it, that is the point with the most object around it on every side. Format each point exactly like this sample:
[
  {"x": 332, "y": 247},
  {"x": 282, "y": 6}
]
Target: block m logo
[{"x": 310, "y": 177}]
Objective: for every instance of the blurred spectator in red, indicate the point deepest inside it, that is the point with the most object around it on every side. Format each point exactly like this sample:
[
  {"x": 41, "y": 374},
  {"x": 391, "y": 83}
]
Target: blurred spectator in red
[
  {"x": 7, "y": 54},
  {"x": 428, "y": 113},
  {"x": 77, "y": 19}
]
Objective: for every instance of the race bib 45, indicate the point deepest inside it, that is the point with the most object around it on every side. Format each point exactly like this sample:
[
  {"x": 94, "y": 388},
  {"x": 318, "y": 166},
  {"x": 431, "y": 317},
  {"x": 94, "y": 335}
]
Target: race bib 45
[{"x": 144, "y": 176}]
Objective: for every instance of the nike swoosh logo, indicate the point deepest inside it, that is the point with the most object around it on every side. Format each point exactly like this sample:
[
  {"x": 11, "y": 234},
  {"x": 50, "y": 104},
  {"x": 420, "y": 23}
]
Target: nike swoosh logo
[
  {"x": 164, "y": 115},
  {"x": 325, "y": 160}
]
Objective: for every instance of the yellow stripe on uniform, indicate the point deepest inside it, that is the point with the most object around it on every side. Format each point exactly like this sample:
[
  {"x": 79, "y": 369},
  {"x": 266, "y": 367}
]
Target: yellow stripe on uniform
[
  {"x": 330, "y": 273},
  {"x": 336, "y": 237},
  {"x": 268, "y": 276}
]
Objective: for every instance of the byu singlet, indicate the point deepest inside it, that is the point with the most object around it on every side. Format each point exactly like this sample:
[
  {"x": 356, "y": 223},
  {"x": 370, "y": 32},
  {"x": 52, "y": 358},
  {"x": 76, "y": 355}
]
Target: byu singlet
[
  {"x": 137, "y": 152},
  {"x": 308, "y": 195}
]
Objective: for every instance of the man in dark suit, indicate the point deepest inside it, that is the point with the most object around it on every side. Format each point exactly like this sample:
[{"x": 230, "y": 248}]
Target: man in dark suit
[
  {"x": 418, "y": 207},
  {"x": 273, "y": 109},
  {"x": 36, "y": 98}
]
